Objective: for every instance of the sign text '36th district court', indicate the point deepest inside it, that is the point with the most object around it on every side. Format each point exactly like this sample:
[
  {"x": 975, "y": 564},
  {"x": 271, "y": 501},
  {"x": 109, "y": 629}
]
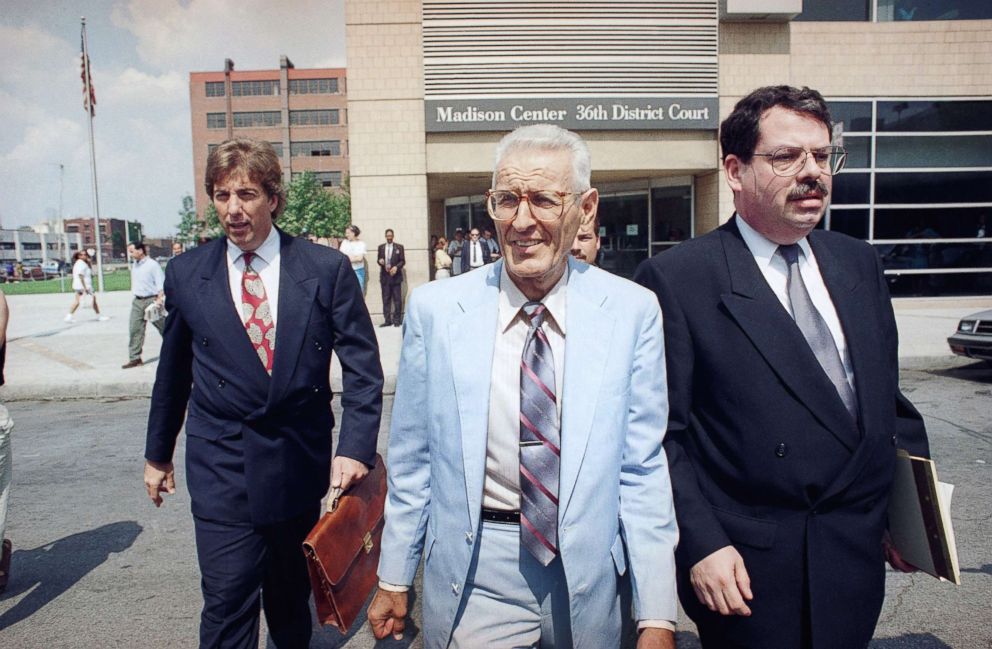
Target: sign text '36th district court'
[{"x": 585, "y": 113}]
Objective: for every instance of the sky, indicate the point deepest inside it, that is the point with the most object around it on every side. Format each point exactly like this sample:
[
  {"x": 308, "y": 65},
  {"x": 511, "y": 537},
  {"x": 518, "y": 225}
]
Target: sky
[{"x": 141, "y": 54}]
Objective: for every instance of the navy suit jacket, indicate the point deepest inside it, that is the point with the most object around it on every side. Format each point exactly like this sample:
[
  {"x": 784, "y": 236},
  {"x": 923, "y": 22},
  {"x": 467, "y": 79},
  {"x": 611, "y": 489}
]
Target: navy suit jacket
[
  {"x": 487, "y": 256},
  {"x": 763, "y": 454},
  {"x": 258, "y": 448},
  {"x": 397, "y": 261}
]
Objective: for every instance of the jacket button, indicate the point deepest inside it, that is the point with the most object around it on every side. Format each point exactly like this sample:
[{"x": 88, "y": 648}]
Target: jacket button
[
  {"x": 221, "y": 383},
  {"x": 316, "y": 388},
  {"x": 781, "y": 450},
  {"x": 894, "y": 441},
  {"x": 317, "y": 344},
  {"x": 204, "y": 342}
]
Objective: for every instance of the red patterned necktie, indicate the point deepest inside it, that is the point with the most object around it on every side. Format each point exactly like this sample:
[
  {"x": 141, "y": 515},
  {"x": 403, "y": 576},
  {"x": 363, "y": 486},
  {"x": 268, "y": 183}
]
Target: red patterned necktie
[{"x": 257, "y": 315}]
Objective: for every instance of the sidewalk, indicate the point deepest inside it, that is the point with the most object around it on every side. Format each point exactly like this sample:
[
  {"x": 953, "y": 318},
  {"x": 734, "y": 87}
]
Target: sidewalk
[{"x": 50, "y": 359}]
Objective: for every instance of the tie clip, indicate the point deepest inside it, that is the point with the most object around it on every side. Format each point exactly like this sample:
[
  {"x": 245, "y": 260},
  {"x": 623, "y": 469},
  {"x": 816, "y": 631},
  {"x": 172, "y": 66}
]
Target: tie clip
[{"x": 535, "y": 442}]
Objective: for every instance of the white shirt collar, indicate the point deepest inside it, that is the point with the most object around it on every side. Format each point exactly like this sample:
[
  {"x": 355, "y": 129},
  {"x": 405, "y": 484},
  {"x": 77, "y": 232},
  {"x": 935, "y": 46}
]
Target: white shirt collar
[
  {"x": 763, "y": 249},
  {"x": 266, "y": 252},
  {"x": 511, "y": 300}
]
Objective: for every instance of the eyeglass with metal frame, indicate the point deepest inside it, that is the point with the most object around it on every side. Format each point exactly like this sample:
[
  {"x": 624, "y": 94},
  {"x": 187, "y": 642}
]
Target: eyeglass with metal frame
[
  {"x": 788, "y": 161},
  {"x": 545, "y": 205}
]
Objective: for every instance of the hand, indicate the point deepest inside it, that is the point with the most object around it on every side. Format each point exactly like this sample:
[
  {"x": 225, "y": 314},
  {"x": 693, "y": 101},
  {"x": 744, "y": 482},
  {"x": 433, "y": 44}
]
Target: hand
[
  {"x": 392, "y": 271},
  {"x": 159, "y": 477},
  {"x": 721, "y": 582},
  {"x": 346, "y": 471},
  {"x": 894, "y": 558},
  {"x": 652, "y": 638},
  {"x": 387, "y": 614}
]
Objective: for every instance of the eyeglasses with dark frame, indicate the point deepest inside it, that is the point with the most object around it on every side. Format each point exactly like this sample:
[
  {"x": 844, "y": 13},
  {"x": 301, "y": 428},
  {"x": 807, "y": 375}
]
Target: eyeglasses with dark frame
[
  {"x": 545, "y": 205},
  {"x": 788, "y": 161}
]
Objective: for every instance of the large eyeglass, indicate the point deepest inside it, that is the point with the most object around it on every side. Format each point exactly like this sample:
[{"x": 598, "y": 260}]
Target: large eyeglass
[
  {"x": 789, "y": 160},
  {"x": 545, "y": 205}
]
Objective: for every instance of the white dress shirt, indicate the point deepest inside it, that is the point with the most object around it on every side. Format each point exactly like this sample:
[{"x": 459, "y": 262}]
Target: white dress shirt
[
  {"x": 265, "y": 263},
  {"x": 501, "y": 489},
  {"x": 776, "y": 272},
  {"x": 147, "y": 278}
]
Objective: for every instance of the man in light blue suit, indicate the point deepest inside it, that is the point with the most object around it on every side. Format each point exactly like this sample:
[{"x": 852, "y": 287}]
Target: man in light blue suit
[{"x": 530, "y": 482}]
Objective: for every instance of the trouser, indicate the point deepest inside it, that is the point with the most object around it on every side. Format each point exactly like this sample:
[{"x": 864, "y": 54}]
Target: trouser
[
  {"x": 392, "y": 302},
  {"x": 510, "y": 599},
  {"x": 136, "y": 326},
  {"x": 245, "y": 568},
  {"x": 6, "y": 465}
]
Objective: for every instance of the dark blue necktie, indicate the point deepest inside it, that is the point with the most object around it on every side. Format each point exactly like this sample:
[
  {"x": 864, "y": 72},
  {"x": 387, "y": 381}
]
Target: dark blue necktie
[
  {"x": 540, "y": 442},
  {"x": 815, "y": 330}
]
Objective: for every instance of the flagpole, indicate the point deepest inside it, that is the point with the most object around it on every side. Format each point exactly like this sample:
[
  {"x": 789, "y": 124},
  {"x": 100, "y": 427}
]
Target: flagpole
[{"x": 96, "y": 199}]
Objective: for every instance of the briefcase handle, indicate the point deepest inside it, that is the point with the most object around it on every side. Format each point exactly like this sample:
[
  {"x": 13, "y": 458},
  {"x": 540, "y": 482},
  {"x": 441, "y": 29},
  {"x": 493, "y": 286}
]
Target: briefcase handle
[{"x": 332, "y": 500}]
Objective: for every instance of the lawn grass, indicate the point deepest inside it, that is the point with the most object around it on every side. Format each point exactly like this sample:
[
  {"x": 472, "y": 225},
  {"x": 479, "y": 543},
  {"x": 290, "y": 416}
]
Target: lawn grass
[{"x": 116, "y": 280}]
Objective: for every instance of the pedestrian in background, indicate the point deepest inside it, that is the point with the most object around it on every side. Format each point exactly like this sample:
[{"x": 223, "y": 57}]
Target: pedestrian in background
[
  {"x": 391, "y": 259},
  {"x": 82, "y": 286},
  {"x": 355, "y": 250},
  {"x": 147, "y": 286},
  {"x": 586, "y": 245},
  {"x": 442, "y": 260},
  {"x": 6, "y": 459},
  {"x": 455, "y": 251}
]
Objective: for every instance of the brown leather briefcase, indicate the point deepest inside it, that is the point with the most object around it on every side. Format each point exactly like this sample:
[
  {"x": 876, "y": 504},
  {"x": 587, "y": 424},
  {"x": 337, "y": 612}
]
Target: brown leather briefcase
[{"x": 342, "y": 550}]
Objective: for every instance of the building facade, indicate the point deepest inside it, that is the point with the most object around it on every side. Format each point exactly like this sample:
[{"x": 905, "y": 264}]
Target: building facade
[
  {"x": 434, "y": 84},
  {"x": 27, "y": 245},
  {"x": 115, "y": 234},
  {"x": 302, "y": 113}
]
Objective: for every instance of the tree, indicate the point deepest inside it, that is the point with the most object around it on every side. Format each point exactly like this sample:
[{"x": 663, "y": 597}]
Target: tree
[
  {"x": 211, "y": 223},
  {"x": 189, "y": 228},
  {"x": 310, "y": 209}
]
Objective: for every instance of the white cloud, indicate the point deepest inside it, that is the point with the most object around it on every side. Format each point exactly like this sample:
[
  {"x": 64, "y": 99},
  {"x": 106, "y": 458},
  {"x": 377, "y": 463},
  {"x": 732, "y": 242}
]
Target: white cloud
[
  {"x": 134, "y": 86},
  {"x": 199, "y": 34}
]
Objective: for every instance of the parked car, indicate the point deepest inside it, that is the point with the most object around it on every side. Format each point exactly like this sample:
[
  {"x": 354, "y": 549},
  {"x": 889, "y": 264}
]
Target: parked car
[
  {"x": 973, "y": 338},
  {"x": 52, "y": 267}
]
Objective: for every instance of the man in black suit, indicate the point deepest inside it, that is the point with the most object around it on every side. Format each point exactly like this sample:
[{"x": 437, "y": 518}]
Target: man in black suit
[
  {"x": 391, "y": 261},
  {"x": 253, "y": 319},
  {"x": 475, "y": 252},
  {"x": 785, "y": 409}
]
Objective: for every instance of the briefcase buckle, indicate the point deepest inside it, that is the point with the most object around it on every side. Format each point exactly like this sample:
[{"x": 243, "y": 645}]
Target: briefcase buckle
[{"x": 367, "y": 542}]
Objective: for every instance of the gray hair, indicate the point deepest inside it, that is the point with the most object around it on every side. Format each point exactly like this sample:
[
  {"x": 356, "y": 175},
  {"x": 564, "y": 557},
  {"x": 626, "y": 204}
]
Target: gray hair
[{"x": 554, "y": 138}]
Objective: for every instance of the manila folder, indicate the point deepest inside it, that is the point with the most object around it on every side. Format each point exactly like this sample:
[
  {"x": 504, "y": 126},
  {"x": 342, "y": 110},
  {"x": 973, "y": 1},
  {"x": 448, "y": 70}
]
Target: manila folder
[{"x": 920, "y": 518}]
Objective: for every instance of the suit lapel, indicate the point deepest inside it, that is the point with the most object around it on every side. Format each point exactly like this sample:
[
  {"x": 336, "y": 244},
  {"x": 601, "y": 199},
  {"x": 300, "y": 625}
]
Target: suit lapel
[
  {"x": 297, "y": 290},
  {"x": 474, "y": 327},
  {"x": 221, "y": 315},
  {"x": 589, "y": 330},
  {"x": 853, "y": 302},
  {"x": 774, "y": 333}
]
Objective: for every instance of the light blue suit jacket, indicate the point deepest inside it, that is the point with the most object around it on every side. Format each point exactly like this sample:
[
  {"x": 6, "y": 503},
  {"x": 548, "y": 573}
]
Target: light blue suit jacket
[{"x": 616, "y": 502}]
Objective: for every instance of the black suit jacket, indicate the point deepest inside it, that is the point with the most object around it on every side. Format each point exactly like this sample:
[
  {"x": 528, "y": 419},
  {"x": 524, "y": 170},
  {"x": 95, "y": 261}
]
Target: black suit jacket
[
  {"x": 487, "y": 256},
  {"x": 397, "y": 261},
  {"x": 763, "y": 454},
  {"x": 258, "y": 448}
]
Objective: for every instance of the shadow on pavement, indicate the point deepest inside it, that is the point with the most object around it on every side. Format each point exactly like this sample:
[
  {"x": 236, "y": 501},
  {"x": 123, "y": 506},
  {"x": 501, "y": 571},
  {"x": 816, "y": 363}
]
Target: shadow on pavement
[
  {"x": 910, "y": 641},
  {"x": 977, "y": 372},
  {"x": 50, "y": 570},
  {"x": 984, "y": 570}
]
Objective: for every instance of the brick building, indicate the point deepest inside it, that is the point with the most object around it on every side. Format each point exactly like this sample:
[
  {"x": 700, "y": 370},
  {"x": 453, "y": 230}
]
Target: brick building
[
  {"x": 302, "y": 113},
  {"x": 433, "y": 86},
  {"x": 114, "y": 235}
]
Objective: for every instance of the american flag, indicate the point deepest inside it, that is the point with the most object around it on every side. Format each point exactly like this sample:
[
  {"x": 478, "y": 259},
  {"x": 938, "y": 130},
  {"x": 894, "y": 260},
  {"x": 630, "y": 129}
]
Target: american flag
[{"x": 89, "y": 102}]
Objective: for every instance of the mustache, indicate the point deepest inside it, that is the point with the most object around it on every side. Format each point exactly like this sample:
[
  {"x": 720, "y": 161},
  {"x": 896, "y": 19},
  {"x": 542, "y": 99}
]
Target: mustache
[{"x": 808, "y": 187}]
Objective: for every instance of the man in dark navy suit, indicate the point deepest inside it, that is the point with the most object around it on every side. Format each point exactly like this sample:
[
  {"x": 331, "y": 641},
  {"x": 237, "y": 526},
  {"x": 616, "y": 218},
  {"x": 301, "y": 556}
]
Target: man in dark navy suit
[
  {"x": 785, "y": 405},
  {"x": 253, "y": 319}
]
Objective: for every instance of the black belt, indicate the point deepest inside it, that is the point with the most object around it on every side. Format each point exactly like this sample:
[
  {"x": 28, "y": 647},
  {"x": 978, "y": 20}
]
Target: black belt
[
  {"x": 501, "y": 516},
  {"x": 145, "y": 297}
]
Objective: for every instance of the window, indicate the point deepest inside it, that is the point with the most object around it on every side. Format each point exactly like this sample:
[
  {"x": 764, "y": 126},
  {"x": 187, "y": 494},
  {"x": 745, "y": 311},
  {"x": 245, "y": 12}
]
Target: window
[
  {"x": 893, "y": 10},
  {"x": 918, "y": 186},
  {"x": 313, "y": 117},
  {"x": 325, "y": 178},
  {"x": 216, "y": 120},
  {"x": 314, "y": 149},
  {"x": 215, "y": 88},
  {"x": 254, "y": 88},
  {"x": 278, "y": 148},
  {"x": 257, "y": 119},
  {"x": 313, "y": 86}
]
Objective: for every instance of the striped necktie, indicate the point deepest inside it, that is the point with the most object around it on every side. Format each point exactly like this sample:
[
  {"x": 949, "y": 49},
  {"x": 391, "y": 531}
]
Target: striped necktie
[
  {"x": 257, "y": 314},
  {"x": 540, "y": 442},
  {"x": 815, "y": 331}
]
